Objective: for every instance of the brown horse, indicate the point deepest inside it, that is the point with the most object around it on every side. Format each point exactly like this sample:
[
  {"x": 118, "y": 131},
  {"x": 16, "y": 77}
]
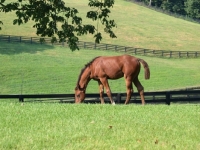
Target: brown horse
[{"x": 103, "y": 68}]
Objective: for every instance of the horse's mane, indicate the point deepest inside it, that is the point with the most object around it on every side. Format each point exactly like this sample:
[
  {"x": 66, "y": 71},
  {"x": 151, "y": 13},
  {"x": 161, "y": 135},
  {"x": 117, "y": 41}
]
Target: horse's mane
[{"x": 83, "y": 69}]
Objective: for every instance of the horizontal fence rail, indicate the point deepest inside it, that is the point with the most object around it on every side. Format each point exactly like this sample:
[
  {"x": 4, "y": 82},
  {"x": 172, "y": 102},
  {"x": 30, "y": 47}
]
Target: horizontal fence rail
[
  {"x": 166, "y": 97},
  {"x": 102, "y": 46}
]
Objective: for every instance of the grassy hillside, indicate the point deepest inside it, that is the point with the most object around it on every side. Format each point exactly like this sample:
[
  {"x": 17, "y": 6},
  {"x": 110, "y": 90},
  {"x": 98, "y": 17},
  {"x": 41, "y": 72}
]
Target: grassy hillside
[
  {"x": 38, "y": 68},
  {"x": 137, "y": 26}
]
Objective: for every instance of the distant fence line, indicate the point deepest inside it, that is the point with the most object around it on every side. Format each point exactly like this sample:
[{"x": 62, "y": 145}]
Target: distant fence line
[{"x": 110, "y": 47}]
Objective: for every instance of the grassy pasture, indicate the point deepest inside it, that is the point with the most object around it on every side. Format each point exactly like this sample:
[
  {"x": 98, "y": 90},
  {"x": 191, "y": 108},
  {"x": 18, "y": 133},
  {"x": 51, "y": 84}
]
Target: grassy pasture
[
  {"x": 100, "y": 127},
  {"x": 137, "y": 26},
  {"x": 36, "y": 69},
  {"x": 46, "y": 69}
]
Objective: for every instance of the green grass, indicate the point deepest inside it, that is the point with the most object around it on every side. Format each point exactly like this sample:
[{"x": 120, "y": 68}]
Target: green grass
[
  {"x": 46, "y": 69},
  {"x": 69, "y": 126},
  {"x": 35, "y": 69},
  {"x": 137, "y": 26}
]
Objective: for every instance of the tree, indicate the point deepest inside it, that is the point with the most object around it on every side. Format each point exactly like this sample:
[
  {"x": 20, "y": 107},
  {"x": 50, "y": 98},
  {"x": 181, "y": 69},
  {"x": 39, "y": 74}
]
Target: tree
[
  {"x": 193, "y": 8},
  {"x": 53, "y": 19},
  {"x": 175, "y": 6}
]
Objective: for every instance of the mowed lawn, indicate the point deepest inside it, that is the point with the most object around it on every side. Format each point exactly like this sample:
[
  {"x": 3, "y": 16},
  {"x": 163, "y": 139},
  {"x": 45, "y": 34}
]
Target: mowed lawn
[{"x": 99, "y": 127}]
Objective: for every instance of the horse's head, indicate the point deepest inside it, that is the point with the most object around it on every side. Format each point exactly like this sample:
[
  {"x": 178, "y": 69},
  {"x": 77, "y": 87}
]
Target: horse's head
[{"x": 79, "y": 94}]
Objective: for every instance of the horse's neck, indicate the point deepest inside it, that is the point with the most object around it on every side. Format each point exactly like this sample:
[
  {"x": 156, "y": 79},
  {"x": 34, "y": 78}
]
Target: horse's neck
[{"x": 85, "y": 78}]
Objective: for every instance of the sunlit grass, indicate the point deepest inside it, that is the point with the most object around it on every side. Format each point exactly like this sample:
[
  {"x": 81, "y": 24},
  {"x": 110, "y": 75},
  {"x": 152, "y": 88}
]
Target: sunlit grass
[{"x": 70, "y": 126}]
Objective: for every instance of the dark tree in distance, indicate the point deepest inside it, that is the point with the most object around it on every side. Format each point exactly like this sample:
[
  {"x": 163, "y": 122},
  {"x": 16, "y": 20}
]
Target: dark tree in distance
[
  {"x": 193, "y": 8},
  {"x": 53, "y": 19},
  {"x": 175, "y": 6}
]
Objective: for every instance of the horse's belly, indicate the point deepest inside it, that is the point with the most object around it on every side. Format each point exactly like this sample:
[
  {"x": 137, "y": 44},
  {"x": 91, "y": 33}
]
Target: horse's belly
[
  {"x": 115, "y": 75},
  {"x": 110, "y": 75}
]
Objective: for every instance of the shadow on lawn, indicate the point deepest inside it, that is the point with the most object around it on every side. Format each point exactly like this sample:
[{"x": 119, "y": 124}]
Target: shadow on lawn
[{"x": 18, "y": 48}]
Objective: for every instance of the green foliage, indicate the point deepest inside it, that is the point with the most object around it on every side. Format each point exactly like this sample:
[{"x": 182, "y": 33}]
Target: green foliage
[
  {"x": 193, "y": 8},
  {"x": 174, "y": 6},
  {"x": 53, "y": 19},
  {"x": 102, "y": 13},
  {"x": 189, "y": 8},
  {"x": 69, "y": 126}
]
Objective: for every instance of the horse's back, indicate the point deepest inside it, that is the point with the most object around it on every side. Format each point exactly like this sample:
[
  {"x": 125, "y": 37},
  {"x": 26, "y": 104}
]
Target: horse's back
[
  {"x": 114, "y": 67},
  {"x": 121, "y": 59}
]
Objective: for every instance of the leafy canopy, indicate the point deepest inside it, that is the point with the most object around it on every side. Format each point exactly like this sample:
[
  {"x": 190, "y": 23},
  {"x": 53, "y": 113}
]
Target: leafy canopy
[{"x": 53, "y": 19}]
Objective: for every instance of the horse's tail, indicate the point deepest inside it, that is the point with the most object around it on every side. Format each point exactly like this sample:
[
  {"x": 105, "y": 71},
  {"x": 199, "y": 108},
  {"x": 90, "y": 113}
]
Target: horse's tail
[{"x": 146, "y": 68}]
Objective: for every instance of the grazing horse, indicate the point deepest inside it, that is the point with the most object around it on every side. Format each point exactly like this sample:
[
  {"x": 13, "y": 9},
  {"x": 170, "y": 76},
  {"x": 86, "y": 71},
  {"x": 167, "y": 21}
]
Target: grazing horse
[{"x": 112, "y": 67}]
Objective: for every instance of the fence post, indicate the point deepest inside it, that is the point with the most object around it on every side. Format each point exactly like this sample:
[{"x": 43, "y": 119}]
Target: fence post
[
  {"x": 179, "y": 54},
  {"x": 168, "y": 98},
  {"x": 135, "y": 51},
  {"x": 21, "y": 99},
  {"x": 115, "y": 47},
  {"x": 187, "y": 54},
  {"x": 125, "y": 49},
  {"x": 95, "y": 45},
  {"x": 9, "y": 38},
  {"x": 84, "y": 45},
  {"x": 118, "y": 98},
  {"x": 170, "y": 54}
]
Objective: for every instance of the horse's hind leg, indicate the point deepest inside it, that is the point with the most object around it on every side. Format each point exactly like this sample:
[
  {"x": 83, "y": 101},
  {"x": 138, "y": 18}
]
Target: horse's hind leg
[
  {"x": 101, "y": 91},
  {"x": 140, "y": 89},
  {"x": 129, "y": 89}
]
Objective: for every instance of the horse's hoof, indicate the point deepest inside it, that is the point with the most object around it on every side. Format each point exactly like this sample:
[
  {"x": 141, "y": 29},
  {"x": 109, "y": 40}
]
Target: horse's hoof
[{"x": 113, "y": 103}]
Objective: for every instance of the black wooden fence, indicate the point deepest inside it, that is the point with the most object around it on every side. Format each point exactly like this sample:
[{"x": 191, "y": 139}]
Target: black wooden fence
[
  {"x": 102, "y": 46},
  {"x": 167, "y": 97}
]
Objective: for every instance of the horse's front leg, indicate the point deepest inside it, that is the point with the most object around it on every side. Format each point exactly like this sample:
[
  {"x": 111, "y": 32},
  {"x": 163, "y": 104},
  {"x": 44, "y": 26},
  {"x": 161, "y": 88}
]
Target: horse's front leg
[
  {"x": 101, "y": 92},
  {"x": 104, "y": 81}
]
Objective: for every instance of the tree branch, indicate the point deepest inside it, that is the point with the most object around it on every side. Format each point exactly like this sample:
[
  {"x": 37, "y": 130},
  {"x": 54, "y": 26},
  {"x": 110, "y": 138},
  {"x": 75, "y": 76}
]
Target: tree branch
[{"x": 51, "y": 19}]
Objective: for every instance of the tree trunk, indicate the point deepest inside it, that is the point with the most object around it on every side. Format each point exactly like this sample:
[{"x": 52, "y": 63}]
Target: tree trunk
[{"x": 149, "y": 2}]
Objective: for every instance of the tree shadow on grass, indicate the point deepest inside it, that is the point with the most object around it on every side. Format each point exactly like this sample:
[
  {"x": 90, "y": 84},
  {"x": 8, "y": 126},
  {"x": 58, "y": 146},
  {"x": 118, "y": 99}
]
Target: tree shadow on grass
[{"x": 7, "y": 48}]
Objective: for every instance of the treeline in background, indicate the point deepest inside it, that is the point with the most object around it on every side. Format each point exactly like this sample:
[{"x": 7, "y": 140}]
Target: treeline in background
[{"x": 189, "y": 8}]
